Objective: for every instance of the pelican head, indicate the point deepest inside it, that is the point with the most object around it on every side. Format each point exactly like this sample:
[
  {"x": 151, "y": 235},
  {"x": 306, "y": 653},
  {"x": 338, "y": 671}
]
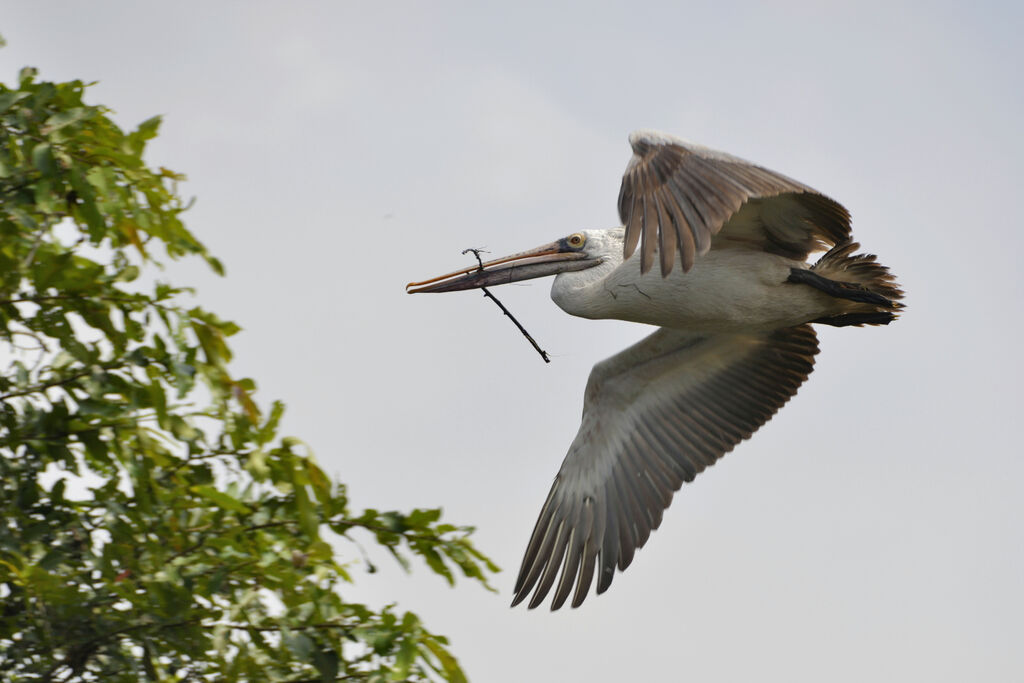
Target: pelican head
[{"x": 578, "y": 251}]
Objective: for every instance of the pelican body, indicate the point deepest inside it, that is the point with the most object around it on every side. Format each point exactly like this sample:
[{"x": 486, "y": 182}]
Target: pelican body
[
  {"x": 734, "y": 342},
  {"x": 708, "y": 298}
]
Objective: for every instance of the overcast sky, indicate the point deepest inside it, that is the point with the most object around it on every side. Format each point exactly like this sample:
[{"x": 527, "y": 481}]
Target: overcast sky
[{"x": 871, "y": 531}]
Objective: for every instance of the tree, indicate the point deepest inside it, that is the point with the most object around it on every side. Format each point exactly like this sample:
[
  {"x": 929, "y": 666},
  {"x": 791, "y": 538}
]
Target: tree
[{"x": 153, "y": 525}]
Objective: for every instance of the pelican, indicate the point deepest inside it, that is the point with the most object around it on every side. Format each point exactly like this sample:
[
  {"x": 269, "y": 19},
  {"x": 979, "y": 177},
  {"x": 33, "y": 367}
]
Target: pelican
[{"x": 734, "y": 299}]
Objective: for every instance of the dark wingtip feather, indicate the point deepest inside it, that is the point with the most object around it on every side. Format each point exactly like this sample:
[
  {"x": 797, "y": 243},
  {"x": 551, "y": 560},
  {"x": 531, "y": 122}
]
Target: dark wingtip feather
[{"x": 586, "y": 575}]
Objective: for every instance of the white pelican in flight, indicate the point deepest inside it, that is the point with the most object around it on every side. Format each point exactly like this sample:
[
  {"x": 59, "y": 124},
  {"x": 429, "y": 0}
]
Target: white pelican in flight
[{"x": 735, "y": 339}]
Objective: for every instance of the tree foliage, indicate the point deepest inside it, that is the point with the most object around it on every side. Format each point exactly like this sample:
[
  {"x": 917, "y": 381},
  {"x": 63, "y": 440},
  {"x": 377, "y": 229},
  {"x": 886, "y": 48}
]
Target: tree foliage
[{"x": 153, "y": 524}]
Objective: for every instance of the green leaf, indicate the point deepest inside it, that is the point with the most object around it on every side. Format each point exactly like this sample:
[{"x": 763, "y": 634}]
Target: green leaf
[
  {"x": 221, "y": 499},
  {"x": 299, "y": 644},
  {"x": 11, "y": 97},
  {"x": 326, "y": 662},
  {"x": 307, "y": 516},
  {"x": 27, "y": 75},
  {"x": 146, "y": 131},
  {"x": 407, "y": 652},
  {"x": 86, "y": 206},
  {"x": 66, "y": 118},
  {"x": 42, "y": 159},
  {"x": 436, "y": 563},
  {"x": 449, "y": 665}
]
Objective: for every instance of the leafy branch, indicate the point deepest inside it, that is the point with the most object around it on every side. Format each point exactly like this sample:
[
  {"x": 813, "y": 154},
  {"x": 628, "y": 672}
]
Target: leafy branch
[{"x": 154, "y": 523}]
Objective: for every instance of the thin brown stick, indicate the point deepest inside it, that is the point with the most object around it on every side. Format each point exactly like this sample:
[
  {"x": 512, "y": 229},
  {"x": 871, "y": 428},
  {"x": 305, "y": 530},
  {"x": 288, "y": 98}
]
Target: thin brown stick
[{"x": 542, "y": 352}]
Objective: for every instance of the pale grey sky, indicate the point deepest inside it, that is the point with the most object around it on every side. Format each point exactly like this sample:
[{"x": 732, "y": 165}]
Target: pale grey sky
[{"x": 871, "y": 531}]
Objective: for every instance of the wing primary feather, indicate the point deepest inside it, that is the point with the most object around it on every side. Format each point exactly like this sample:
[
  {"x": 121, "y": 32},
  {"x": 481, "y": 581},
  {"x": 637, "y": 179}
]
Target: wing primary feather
[
  {"x": 681, "y": 228},
  {"x": 599, "y": 517},
  {"x": 632, "y": 222},
  {"x": 641, "y": 517},
  {"x": 538, "y": 551},
  {"x": 544, "y": 521},
  {"x": 553, "y": 563},
  {"x": 648, "y": 233},
  {"x": 667, "y": 233},
  {"x": 625, "y": 202},
  {"x": 576, "y": 560},
  {"x": 586, "y": 576},
  {"x": 698, "y": 228},
  {"x": 627, "y": 527},
  {"x": 595, "y": 515},
  {"x": 573, "y": 555},
  {"x": 610, "y": 545}
]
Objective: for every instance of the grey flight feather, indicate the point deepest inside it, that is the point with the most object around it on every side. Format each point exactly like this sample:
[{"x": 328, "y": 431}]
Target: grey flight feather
[
  {"x": 676, "y": 196},
  {"x": 654, "y": 416}
]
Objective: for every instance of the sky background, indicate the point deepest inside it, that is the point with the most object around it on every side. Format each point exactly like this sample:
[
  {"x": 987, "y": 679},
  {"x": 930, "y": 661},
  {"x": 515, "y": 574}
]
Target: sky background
[{"x": 873, "y": 530}]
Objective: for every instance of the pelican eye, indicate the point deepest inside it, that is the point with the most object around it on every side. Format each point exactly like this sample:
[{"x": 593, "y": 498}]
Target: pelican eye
[{"x": 576, "y": 240}]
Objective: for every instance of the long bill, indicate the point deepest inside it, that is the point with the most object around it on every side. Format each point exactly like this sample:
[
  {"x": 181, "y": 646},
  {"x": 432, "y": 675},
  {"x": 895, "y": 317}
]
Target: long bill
[{"x": 549, "y": 259}]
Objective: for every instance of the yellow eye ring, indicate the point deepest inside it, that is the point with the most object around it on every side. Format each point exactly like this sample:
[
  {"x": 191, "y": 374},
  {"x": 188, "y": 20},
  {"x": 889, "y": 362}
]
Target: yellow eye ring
[{"x": 576, "y": 239}]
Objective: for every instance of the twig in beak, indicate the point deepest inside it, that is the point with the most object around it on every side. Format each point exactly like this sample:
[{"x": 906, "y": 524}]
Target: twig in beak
[
  {"x": 542, "y": 352},
  {"x": 476, "y": 252}
]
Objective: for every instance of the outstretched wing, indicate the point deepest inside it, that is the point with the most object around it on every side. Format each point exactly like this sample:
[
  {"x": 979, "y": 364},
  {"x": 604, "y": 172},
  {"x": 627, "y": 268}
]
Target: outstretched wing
[
  {"x": 654, "y": 416},
  {"x": 676, "y": 195}
]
